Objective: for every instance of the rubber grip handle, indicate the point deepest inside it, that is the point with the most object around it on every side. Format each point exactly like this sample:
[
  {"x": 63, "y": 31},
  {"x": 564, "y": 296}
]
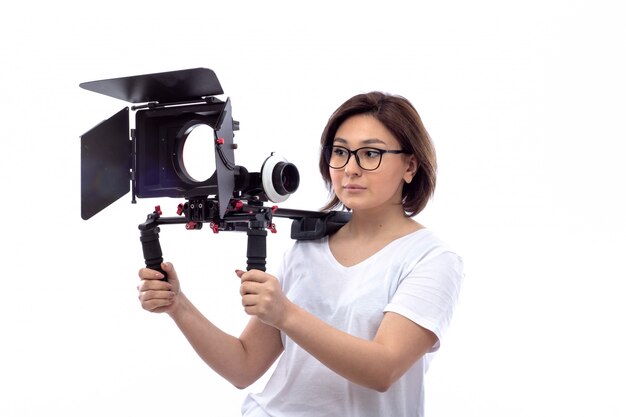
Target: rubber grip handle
[
  {"x": 152, "y": 254},
  {"x": 257, "y": 249}
]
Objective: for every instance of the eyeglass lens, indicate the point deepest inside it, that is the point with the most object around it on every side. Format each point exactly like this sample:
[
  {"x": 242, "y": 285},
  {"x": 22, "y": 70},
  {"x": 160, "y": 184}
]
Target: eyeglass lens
[{"x": 367, "y": 158}]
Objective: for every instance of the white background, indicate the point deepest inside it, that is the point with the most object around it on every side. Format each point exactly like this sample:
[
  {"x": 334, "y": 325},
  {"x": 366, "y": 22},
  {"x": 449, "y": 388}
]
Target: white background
[{"x": 525, "y": 102}]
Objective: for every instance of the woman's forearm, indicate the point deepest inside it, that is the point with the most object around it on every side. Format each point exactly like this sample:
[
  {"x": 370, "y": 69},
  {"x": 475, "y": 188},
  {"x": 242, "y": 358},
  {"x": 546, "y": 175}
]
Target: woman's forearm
[
  {"x": 361, "y": 361},
  {"x": 374, "y": 364},
  {"x": 227, "y": 355}
]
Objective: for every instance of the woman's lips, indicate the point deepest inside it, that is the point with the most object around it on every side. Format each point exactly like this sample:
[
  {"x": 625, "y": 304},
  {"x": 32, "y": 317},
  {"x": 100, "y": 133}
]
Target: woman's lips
[{"x": 353, "y": 187}]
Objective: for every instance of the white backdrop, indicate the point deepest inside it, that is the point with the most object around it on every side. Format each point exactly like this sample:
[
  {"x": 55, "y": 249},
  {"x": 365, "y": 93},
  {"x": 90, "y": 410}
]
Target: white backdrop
[{"x": 525, "y": 103}]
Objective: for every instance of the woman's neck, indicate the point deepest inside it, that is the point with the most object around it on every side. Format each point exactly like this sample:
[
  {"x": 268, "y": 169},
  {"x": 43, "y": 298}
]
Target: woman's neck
[{"x": 369, "y": 224}]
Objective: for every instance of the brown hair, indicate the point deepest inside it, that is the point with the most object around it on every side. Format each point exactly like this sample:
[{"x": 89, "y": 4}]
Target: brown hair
[{"x": 399, "y": 116}]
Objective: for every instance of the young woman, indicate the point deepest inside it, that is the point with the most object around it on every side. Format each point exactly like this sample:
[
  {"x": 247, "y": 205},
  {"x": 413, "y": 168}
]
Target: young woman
[{"x": 355, "y": 316}]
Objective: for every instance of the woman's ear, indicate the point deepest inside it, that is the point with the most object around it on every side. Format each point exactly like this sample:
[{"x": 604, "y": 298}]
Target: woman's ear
[{"x": 411, "y": 169}]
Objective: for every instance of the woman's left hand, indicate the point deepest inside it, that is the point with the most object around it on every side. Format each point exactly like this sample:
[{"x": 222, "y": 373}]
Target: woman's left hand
[{"x": 262, "y": 296}]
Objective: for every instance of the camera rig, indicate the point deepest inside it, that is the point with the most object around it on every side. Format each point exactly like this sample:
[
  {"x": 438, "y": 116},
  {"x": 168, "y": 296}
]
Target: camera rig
[{"x": 150, "y": 161}]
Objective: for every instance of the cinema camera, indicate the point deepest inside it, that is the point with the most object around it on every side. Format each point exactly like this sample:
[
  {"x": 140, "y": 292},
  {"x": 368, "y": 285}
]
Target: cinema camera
[{"x": 149, "y": 160}]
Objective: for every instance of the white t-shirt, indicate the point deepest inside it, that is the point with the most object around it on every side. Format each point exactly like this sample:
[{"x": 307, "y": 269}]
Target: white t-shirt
[{"x": 416, "y": 276}]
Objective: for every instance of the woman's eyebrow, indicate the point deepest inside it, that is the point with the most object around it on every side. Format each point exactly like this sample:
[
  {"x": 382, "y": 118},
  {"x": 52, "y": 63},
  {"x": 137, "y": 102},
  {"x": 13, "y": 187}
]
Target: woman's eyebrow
[{"x": 364, "y": 142}]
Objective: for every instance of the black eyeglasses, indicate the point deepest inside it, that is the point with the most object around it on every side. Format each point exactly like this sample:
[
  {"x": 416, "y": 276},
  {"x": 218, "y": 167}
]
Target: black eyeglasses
[{"x": 367, "y": 158}]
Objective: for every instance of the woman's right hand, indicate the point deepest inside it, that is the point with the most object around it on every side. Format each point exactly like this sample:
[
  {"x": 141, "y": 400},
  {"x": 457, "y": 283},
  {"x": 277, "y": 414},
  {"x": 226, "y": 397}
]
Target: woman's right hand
[{"x": 155, "y": 295}]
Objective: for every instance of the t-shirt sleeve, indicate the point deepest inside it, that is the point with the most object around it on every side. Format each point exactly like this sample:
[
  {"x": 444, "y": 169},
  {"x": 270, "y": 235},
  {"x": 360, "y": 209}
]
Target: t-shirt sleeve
[{"x": 429, "y": 292}]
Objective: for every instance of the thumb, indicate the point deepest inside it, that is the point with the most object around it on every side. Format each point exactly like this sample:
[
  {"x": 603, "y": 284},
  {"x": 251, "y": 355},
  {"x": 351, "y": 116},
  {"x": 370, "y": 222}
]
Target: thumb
[
  {"x": 239, "y": 273},
  {"x": 168, "y": 268}
]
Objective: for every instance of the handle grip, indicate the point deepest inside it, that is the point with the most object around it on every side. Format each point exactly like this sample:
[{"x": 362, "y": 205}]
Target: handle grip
[
  {"x": 152, "y": 253},
  {"x": 257, "y": 249}
]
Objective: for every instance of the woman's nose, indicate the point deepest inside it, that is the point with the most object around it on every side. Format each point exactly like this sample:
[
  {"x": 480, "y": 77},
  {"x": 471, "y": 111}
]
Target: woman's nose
[{"x": 352, "y": 167}]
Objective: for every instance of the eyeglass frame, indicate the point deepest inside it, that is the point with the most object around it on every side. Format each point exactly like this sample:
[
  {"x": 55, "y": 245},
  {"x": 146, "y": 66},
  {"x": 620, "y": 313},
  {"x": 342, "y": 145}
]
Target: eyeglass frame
[{"x": 329, "y": 148}]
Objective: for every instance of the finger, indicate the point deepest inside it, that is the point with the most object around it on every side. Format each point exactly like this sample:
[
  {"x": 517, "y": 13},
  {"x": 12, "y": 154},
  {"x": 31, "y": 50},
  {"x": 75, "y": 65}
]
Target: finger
[
  {"x": 244, "y": 289},
  {"x": 254, "y": 275},
  {"x": 150, "y": 295},
  {"x": 152, "y": 305},
  {"x": 168, "y": 267},
  {"x": 147, "y": 284},
  {"x": 147, "y": 273},
  {"x": 250, "y": 287},
  {"x": 249, "y": 300},
  {"x": 239, "y": 272}
]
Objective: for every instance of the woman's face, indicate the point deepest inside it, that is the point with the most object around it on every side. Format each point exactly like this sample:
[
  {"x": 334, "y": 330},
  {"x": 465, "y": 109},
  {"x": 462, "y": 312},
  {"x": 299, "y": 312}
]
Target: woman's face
[{"x": 359, "y": 189}]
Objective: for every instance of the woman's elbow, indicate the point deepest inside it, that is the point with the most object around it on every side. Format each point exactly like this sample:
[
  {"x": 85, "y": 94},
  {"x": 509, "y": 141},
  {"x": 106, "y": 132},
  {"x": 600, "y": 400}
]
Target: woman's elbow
[
  {"x": 382, "y": 386},
  {"x": 385, "y": 380},
  {"x": 242, "y": 384},
  {"x": 381, "y": 389},
  {"x": 243, "y": 381},
  {"x": 241, "y": 387}
]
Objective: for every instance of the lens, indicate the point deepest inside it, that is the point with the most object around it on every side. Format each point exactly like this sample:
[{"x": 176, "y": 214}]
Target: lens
[
  {"x": 369, "y": 158},
  {"x": 336, "y": 156},
  {"x": 285, "y": 178},
  {"x": 279, "y": 178}
]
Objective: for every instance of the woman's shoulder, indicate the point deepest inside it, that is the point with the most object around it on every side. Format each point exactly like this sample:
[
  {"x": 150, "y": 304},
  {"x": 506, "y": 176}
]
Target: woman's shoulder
[
  {"x": 308, "y": 245},
  {"x": 424, "y": 244}
]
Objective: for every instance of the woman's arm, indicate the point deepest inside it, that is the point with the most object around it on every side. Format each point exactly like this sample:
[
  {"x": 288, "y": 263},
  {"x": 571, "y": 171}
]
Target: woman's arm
[
  {"x": 375, "y": 364},
  {"x": 241, "y": 360}
]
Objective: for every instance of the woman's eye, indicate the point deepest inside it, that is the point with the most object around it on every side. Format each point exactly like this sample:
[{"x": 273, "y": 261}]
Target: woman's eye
[
  {"x": 371, "y": 153},
  {"x": 339, "y": 151}
]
